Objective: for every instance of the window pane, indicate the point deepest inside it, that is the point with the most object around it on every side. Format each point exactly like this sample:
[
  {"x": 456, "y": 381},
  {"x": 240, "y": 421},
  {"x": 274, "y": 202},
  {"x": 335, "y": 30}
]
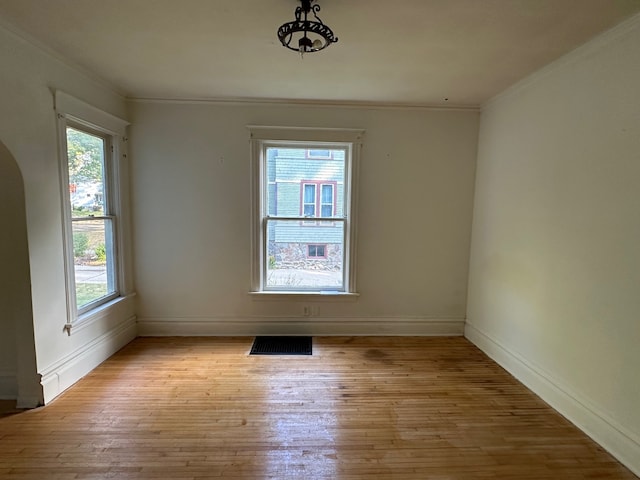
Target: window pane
[
  {"x": 319, "y": 153},
  {"x": 327, "y": 194},
  {"x": 317, "y": 250},
  {"x": 309, "y": 194},
  {"x": 288, "y": 262},
  {"x": 309, "y": 210},
  {"x": 327, "y": 211},
  {"x": 294, "y": 179},
  {"x": 93, "y": 260},
  {"x": 85, "y": 156}
]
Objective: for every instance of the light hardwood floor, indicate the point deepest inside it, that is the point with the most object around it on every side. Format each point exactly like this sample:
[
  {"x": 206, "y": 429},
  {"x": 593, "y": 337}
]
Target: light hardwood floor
[{"x": 360, "y": 407}]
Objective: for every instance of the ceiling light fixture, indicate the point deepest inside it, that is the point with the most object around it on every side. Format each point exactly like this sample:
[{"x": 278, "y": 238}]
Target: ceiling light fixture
[{"x": 312, "y": 35}]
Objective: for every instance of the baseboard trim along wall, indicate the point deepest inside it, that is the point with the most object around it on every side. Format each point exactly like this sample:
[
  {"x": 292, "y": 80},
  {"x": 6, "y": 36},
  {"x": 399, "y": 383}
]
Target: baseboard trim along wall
[
  {"x": 8, "y": 384},
  {"x": 249, "y": 326},
  {"x": 64, "y": 373},
  {"x": 617, "y": 440}
]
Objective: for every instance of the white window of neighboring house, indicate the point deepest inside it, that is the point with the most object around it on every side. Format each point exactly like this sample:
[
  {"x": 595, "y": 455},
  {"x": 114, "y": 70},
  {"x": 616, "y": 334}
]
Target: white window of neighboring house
[
  {"x": 298, "y": 174},
  {"x": 90, "y": 144}
]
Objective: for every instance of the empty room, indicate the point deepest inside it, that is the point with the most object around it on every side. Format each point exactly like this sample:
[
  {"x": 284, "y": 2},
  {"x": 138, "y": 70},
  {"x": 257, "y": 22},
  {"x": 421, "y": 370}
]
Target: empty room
[{"x": 319, "y": 239}]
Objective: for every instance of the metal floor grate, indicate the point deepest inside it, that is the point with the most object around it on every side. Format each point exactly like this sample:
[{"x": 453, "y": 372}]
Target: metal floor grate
[{"x": 282, "y": 346}]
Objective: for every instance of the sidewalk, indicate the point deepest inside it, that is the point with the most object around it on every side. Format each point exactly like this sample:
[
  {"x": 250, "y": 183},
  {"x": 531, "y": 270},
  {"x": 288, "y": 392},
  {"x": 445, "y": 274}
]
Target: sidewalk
[{"x": 89, "y": 274}]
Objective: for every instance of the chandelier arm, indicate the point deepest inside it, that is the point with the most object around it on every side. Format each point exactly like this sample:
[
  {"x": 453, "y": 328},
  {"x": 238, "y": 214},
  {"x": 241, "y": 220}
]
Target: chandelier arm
[{"x": 315, "y": 9}]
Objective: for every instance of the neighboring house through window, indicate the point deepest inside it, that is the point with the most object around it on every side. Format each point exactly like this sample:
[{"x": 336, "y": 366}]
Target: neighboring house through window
[{"x": 299, "y": 174}]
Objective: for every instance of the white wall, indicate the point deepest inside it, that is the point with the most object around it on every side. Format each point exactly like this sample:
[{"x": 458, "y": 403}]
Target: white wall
[
  {"x": 190, "y": 190},
  {"x": 555, "y": 265},
  {"x": 28, "y": 129}
]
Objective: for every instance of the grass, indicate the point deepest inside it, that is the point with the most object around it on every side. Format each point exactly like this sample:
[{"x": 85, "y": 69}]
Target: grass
[{"x": 88, "y": 292}]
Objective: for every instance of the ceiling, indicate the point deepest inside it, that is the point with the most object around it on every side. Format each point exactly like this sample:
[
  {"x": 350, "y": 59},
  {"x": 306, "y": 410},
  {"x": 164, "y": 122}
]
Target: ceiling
[{"x": 406, "y": 52}]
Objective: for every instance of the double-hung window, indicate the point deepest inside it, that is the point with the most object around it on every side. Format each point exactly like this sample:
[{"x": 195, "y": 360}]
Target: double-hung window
[
  {"x": 89, "y": 150},
  {"x": 304, "y": 209},
  {"x": 93, "y": 220}
]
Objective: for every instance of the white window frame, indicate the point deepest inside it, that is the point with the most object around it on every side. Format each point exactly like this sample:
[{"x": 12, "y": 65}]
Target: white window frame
[
  {"x": 263, "y": 137},
  {"x": 77, "y": 114}
]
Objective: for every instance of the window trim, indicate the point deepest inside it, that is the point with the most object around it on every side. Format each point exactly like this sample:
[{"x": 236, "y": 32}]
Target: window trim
[
  {"x": 74, "y": 113},
  {"x": 308, "y": 138}
]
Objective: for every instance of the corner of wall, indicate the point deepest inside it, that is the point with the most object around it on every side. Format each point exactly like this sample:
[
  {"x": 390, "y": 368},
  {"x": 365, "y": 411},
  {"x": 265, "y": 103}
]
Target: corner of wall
[
  {"x": 618, "y": 441},
  {"x": 63, "y": 374}
]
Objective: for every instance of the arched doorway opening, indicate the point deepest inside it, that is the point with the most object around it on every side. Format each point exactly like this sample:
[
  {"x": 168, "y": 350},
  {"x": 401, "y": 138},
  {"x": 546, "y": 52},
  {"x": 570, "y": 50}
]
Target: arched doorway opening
[{"x": 18, "y": 374}]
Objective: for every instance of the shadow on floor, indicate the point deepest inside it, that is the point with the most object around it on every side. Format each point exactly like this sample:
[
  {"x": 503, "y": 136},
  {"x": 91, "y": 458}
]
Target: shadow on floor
[{"x": 8, "y": 408}]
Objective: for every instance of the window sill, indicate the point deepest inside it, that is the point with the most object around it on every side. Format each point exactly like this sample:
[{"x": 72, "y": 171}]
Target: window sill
[
  {"x": 96, "y": 314},
  {"x": 305, "y": 296}
]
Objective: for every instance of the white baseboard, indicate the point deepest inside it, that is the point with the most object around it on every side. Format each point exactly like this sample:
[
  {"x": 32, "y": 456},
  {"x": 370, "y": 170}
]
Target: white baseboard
[
  {"x": 616, "y": 439},
  {"x": 8, "y": 384},
  {"x": 249, "y": 326},
  {"x": 64, "y": 373}
]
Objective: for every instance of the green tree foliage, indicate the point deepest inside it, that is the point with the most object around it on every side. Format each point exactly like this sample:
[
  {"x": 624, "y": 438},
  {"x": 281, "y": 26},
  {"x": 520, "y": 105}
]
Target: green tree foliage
[
  {"x": 101, "y": 252},
  {"x": 80, "y": 244},
  {"x": 84, "y": 153}
]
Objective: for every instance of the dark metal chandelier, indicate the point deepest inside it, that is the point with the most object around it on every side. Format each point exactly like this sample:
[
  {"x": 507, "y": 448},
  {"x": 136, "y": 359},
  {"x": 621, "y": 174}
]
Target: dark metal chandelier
[{"x": 312, "y": 35}]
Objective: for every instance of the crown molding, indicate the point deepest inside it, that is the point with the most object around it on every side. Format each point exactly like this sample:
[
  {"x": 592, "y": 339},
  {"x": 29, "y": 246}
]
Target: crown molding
[{"x": 285, "y": 102}]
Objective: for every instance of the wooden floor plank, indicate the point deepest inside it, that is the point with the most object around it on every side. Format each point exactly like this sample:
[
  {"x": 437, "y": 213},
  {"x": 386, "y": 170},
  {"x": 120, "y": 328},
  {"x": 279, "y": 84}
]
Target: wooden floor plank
[{"x": 387, "y": 407}]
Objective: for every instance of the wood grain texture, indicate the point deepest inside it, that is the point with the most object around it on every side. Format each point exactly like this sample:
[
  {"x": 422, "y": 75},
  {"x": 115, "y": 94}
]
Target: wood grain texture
[{"x": 360, "y": 407}]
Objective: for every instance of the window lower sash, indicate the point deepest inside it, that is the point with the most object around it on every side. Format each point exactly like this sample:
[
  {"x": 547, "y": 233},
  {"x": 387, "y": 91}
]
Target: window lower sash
[{"x": 287, "y": 264}]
